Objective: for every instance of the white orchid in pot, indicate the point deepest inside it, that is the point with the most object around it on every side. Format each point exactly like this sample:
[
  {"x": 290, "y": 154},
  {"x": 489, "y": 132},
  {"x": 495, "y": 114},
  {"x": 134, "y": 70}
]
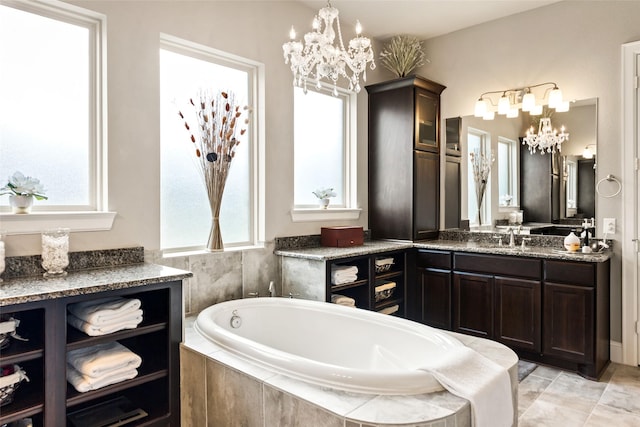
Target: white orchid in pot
[
  {"x": 323, "y": 195},
  {"x": 22, "y": 190}
]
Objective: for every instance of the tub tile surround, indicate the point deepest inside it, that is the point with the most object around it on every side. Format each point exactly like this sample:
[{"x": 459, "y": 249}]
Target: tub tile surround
[
  {"x": 222, "y": 276},
  {"x": 285, "y": 401}
]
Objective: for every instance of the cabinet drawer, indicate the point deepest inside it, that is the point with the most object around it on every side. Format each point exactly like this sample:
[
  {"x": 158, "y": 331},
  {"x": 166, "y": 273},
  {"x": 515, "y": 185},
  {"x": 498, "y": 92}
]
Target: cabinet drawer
[
  {"x": 498, "y": 265},
  {"x": 575, "y": 273},
  {"x": 434, "y": 259}
]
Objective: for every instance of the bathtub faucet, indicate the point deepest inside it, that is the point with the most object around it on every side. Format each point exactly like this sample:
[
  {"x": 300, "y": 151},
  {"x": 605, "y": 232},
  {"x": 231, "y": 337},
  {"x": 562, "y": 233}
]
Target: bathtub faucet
[{"x": 272, "y": 289}]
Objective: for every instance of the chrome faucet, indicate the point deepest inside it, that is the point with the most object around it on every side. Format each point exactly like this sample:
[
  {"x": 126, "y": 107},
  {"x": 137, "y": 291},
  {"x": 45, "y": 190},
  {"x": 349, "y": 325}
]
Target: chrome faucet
[{"x": 512, "y": 240}]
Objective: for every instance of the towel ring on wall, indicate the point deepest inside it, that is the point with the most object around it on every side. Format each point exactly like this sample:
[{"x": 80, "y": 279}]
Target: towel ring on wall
[{"x": 609, "y": 178}]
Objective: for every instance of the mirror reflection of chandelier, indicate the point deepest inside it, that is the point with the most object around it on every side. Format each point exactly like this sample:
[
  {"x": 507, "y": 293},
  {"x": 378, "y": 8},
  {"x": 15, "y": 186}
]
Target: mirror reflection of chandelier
[
  {"x": 319, "y": 58},
  {"x": 547, "y": 139}
]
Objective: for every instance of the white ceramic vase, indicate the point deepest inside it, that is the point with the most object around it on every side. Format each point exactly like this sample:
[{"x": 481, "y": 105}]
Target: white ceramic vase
[
  {"x": 21, "y": 204},
  {"x": 324, "y": 203}
]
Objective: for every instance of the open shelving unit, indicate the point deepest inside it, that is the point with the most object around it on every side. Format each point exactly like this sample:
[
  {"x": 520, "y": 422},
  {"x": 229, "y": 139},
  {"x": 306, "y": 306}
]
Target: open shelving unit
[{"x": 48, "y": 398}]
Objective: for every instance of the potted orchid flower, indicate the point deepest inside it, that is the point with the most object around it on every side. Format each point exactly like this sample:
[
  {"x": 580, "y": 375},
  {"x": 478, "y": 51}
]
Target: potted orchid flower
[
  {"x": 323, "y": 195},
  {"x": 22, "y": 190}
]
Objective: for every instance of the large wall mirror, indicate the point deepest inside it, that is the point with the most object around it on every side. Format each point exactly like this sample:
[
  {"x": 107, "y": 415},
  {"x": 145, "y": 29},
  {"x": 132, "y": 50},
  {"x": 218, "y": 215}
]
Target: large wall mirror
[{"x": 555, "y": 189}]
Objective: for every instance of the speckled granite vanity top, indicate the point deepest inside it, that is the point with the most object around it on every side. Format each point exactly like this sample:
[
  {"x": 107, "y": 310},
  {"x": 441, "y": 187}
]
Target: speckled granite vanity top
[
  {"x": 35, "y": 288},
  {"x": 321, "y": 253},
  {"x": 540, "y": 247},
  {"x": 546, "y": 252},
  {"x": 18, "y": 290}
]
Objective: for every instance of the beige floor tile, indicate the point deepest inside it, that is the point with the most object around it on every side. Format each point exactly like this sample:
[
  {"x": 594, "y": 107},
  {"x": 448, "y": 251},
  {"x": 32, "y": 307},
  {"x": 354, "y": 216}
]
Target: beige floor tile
[
  {"x": 544, "y": 414},
  {"x": 574, "y": 392},
  {"x": 529, "y": 390},
  {"x": 605, "y": 416},
  {"x": 546, "y": 372}
]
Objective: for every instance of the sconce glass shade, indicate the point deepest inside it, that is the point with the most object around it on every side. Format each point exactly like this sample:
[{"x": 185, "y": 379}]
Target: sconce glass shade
[
  {"x": 562, "y": 107},
  {"x": 536, "y": 110},
  {"x": 587, "y": 153},
  {"x": 489, "y": 115},
  {"x": 528, "y": 102},
  {"x": 481, "y": 108},
  {"x": 555, "y": 97},
  {"x": 503, "y": 105}
]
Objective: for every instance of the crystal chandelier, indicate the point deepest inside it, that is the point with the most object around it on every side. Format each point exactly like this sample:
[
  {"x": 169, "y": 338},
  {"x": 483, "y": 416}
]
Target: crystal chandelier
[
  {"x": 522, "y": 98},
  {"x": 319, "y": 58},
  {"x": 547, "y": 139}
]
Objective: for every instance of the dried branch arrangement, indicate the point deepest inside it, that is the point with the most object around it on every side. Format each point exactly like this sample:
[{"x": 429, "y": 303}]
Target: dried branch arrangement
[
  {"x": 402, "y": 55},
  {"x": 219, "y": 120}
]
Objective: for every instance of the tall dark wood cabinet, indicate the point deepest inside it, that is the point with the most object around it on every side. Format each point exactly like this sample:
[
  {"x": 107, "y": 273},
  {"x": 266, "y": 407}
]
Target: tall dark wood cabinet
[
  {"x": 540, "y": 181},
  {"x": 404, "y": 158}
]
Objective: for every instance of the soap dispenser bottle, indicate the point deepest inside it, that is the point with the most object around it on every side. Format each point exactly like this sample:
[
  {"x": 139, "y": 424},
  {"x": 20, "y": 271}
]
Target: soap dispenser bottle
[{"x": 572, "y": 242}]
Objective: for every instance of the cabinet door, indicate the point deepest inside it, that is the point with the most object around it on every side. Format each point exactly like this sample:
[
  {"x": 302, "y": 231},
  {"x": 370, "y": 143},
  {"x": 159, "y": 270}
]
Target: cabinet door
[
  {"x": 568, "y": 322},
  {"x": 426, "y": 211},
  {"x": 518, "y": 313},
  {"x": 427, "y": 117},
  {"x": 473, "y": 304},
  {"x": 436, "y": 297}
]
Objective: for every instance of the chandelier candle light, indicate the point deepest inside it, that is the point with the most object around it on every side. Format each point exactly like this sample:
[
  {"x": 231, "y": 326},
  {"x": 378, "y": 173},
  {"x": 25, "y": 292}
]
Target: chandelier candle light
[{"x": 319, "y": 58}]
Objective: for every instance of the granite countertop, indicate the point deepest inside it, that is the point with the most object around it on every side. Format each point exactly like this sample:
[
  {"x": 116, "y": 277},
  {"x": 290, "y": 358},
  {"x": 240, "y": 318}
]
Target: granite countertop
[
  {"x": 324, "y": 253},
  {"x": 545, "y": 252},
  {"x": 36, "y": 288},
  {"x": 376, "y": 246}
]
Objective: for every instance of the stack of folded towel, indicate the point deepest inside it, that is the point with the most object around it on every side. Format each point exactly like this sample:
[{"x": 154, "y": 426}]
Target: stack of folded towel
[
  {"x": 341, "y": 274},
  {"x": 91, "y": 368},
  {"x": 105, "y": 315},
  {"x": 343, "y": 300}
]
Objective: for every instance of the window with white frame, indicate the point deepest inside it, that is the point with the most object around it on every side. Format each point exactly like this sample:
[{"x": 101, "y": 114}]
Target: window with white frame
[
  {"x": 185, "y": 70},
  {"x": 478, "y": 140},
  {"x": 323, "y": 147},
  {"x": 51, "y": 119},
  {"x": 508, "y": 181}
]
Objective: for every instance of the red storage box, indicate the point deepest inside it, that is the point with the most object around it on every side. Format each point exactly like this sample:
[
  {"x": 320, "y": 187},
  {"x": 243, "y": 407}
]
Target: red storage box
[{"x": 341, "y": 237}]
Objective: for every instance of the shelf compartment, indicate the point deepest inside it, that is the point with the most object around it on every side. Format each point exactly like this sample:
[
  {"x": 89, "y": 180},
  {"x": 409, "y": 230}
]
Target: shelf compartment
[
  {"x": 28, "y": 397},
  {"x": 338, "y": 288},
  {"x": 151, "y": 396},
  {"x": 30, "y": 327},
  {"x": 77, "y": 339}
]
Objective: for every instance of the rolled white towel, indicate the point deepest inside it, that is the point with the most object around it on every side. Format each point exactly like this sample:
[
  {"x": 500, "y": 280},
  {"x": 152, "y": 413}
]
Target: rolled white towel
[
  {"x": 344, "y": 269},
  {"x": 343, "y": 300},
  {"x": 84, "y": 383},
  {"x": 340, "y": 280},
  {"x": 103, "y": 359},
  {"x": 383, "y": 286},
  {"x": 103, "y": 310},
  {"x": 129, "y": 321}
]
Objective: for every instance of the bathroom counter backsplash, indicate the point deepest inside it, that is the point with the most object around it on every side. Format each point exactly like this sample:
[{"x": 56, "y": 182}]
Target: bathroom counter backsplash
[{"x": 115, "y": 273}]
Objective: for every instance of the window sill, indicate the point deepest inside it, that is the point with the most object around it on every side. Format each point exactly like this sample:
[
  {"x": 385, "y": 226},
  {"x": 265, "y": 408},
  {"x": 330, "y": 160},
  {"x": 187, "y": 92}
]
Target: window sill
[
  {"x": 35, "y": 222},
  {"x": 331, "y": 214}
]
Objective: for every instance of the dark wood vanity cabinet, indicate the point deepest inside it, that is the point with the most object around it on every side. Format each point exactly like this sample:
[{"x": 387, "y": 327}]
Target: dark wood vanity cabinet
[
  {"x": 552, "y": 311},
  {"x": 433, "y": 285},
  {"x": 404, "y": 158}
]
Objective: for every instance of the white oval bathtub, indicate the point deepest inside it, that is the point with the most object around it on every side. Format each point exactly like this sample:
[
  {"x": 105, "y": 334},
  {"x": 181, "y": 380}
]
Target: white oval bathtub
[{"x": 329, "y": 345}]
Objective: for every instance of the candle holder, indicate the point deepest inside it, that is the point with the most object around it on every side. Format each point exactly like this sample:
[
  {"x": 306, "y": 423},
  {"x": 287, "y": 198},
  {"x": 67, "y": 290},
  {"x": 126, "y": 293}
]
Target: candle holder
[{"x": 55, "y": 252}]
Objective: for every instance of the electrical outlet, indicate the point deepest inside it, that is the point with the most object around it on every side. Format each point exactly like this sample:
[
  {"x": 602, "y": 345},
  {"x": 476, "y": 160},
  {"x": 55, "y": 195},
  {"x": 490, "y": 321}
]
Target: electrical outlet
[{"x": 609, "y": 225}]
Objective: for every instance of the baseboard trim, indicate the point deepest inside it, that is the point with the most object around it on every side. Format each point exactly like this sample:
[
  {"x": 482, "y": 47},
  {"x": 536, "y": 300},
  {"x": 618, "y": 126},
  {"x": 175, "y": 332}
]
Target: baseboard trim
[{"x": 615, "y": 349}]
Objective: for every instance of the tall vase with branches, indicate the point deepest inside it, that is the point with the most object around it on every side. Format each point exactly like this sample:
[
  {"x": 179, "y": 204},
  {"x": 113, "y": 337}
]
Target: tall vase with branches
[
  {"x": 215, "y": 137},
  {"x": 481, "y": 165}
]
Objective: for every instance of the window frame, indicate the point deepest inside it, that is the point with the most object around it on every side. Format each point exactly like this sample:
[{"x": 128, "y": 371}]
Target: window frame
[
  {"x": 514, "y": 171},
  {"x": 349, "y": 210},
  {"x": 256, "y": 78},
  {"x": 95, "y": 215}
]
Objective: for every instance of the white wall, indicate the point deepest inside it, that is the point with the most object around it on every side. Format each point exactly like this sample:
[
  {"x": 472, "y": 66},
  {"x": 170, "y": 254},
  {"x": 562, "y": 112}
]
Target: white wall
[
  {"x": 255, "y": 30},
  {"x": 576, "y": 44}
]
